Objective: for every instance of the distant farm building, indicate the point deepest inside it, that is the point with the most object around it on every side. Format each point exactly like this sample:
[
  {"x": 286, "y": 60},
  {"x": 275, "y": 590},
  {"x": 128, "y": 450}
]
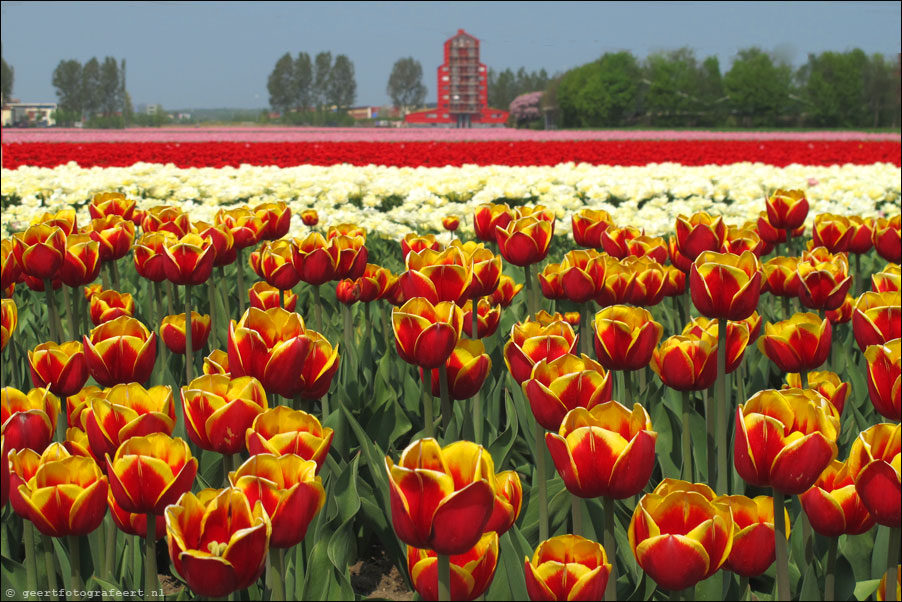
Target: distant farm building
[{"x": 463, "y": 90}]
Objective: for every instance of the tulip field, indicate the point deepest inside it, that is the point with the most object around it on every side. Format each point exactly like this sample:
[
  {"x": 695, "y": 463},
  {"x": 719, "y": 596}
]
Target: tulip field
[{"x": 556, "y": 366}]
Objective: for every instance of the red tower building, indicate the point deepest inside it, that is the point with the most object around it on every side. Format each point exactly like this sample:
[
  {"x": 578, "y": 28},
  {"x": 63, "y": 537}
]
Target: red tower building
[{"x": 463, "y": 90}]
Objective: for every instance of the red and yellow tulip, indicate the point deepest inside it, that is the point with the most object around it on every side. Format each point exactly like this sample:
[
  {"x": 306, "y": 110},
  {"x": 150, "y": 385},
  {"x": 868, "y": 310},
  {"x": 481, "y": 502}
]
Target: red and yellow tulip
[
  {"x": 218, "y": 410},
  {"x": 874, "y": 465},
  {"x": 471, "y": 572},
  {"x": 426, "y": 334},
  {"x": 753, "y": 548},
  {"x": 625, "y": 337},
  {"x": 282, "y": 430},
  {"x": 832, "y": 504},
  {"x": 120, "y": 351},
  {"x": 798, "y": 344},
  {"x": 149, "y": 473},
  {"x": 567, "y": 567},
  {"x": 562, "y": 384},
  {"x": 885, "y": 378},
  {"x": 60, "y": 368}
]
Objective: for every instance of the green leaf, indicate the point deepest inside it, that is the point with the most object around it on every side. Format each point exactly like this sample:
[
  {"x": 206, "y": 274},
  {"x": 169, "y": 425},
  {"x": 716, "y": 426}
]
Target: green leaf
[
  {"x": 501, "y": 446},
  {"x": 866, "y": 589},
  {"x": 811, "y": 586}
]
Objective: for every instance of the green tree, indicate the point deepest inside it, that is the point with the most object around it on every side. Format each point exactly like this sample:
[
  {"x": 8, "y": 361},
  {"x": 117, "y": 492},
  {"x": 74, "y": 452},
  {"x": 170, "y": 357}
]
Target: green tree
[
  {"x": 110, "y": 87},
  {"x": 342, "y": 89},
  {"x": 322, "y": 71},
  {"x": 600, "y": 94},
  {"x": 302, "y": 83},
  {"x": 405, "y": 84},
  {"x": 6, "y": 79},
  {"x": 881, "y": 80},
  {"x": 833, "y": 86},
  {"x": 281, "y": 84},
  {"x": 673, "y": 80},
  {"x": 67, "y": 81},
  {"x": 502, "y": 88},
  {"x": 91, "y": 95},
  {"x": 759, "y": 88}
]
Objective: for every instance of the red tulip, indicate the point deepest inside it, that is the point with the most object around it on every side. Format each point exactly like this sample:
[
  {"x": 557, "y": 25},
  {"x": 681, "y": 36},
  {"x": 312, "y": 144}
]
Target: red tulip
[
  {"x": 525, "y": 241},
  {"x": 787, "y": 209},
  {"x": 40, "y": 250},
  {"x": 726, "y": 286},
  {"x": 887, "y": 238},
  {"x": 172, "y": 331},
  {"x": 190, "y": 260},
  {"x": 753, "y": 548},
  {"x": 567, "y": 567},
  {"x": 874, "y": 465},
  {"x": 120, "y": 351},
  {"x": 310, "y": 217},
  {"x": 531, "y": 342},
  {"x": 109, "y": 305},
  {"x": 588, "y": 226},
  {"x": 104, "y": 204},
  {"x": 60, "y": 368},
  {"x": 625, "y": 337},
  {"x": 699, "y": 233},
  {"x": 28, "y": 419},
  {"x": 218, "y": 410},
  {"x": 471, "y": 572},
  {"x": 877, "y": 318},
  {"x": 276, "y": 220},
  {"x": 312, "y": 261},
  {"x": 557, "y": 386},
  {"x": 832, "y": 504},
  {"x": 824, "y": 279},
  {"x": 281, "y": 431},
  {"x": 466, "y": 370},
  {"x": 798, "y": 344},
  {"x": 885, "y": 378},
  {"x": 149, "y": 473},
  {"x": 487, "y": 217},
  {"x": 425, "y": 334}
]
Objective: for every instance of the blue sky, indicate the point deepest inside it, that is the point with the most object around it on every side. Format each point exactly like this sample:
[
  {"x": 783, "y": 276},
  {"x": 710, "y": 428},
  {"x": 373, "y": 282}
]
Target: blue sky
[{"x": 200, "y": 54}]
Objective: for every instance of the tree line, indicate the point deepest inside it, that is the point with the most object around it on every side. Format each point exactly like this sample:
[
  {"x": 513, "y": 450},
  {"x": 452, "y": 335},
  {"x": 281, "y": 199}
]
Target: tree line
[
  {"x": 94, "y": 93},
  {"x": 302, "y": 89},
  {"x": 676, "y": 89}
]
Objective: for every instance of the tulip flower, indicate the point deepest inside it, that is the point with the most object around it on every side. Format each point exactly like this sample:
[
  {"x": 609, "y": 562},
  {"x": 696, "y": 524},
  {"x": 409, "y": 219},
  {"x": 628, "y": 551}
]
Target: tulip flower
[
  {"x": 451, "y": 222},
  {"x": 374, "y": 283},
  {"x": 742, "y": 239},
  {"x": 557, "y": 386},
  {"x": 874, "y": 465},
  {"x": 271, "y": 346},
  {"x": 550, "y": 282},
  {"x": 320, "y": 367},
  {"x": 466, "y": 369},
  {"x": 686, "y": 363},
  {"x": 172, "y": 331},
  {"x": 149, "y": 473},
  {"x": 725, "y": 286},
  {"x": 589, "y": 226},
  {"x": 887, "y": 238},
  {"x": 218, "y": 541},
  {"x": 862, "y": 232},
  {"x": 134, "y": 523},
  {"x": 441, "y": 498},
  {"x": 312, "y": 261},
  {"x": 416, "y": 243},
  {"x": 66, "y": 496},
  {"x": 699, "y": 233},
  {"x": 531, "y": 342},
  {"x": 114, "y": 235},
  {"x": 120, "y": 351},
  {"x": 347, "y": 291},
  {"x": 28, "y": 419},
  {"x": 166, "y": 218},
  {"x": 264, "y": 296},
  {"x": 648, "y": 246},
  {"x": 787, "y": 209},
  {"x": 582, "y": 275},
  {"x": 81, "y": 264},
  {"x": 40, "y": 250},
  {"x": 824, "y": 279},
  {"x": 799, "y": 344},
  {"x": 618, "y": 283},
  {"x": 10, "y": 271},
  {"x": 282, "y": 430},
  {"x": 113, "y": 416},
  {"x": 150, "y": 254},
  {"x": 9, "y": 319},
  {"x": 753, "y": 548},
  {"x": 828, "y": 384},
  {"x": 310, "y": 217},
  {"x": 625, "y": 337},
  {"x": 217, "y": 362},
  {"x": 189, "y": 260},
  {"x": 60, "y": 368},
  {"x": 104, "y": 204},
  {"x": 276, "y": 264},
  {"x": 616, "y": 240},
  {"x": 350, "y": 256},
  {"x": 605, "y": 451},
  {"x": 885, "y": 378},
  {"x": 525, "y": 241},
  {"x": 223, "y": 242},
  {"x": 486, "y": 268},
  {"x": 738, "y": 337},
  {"x": 567, "y": 567},
  {"x": 109, "y": 305},
  {"x": 352, "y": 230},
  {"x": 780, "y": 276},
  {"x": 508, "y": 502},
  {"x": 471, "y": 572},
  {"x": 647, "y": 282},
  {"x": 276, "y": 220},
  {"x": 489, "y": 216},
  {"x": 218, "y": 410},
  {"x": 843, "y": 313},
  {"x": 487, "y": 318},
  {"x": 289, "y": 489},
  {"x": 832, "y": 504},
  {"x": 784, "y": 440},
  {"x": 681, "y": 534},
  {"x": 437, "y": 277},
  {"x": 889, "y": 280},
  {"x": 243, "y": 223},
  {"x": 877, "y": 318},
  {"x": 834, "y": 232},
  {"x": 425, "y": 334},
  {"x": 506, "y": 291}
]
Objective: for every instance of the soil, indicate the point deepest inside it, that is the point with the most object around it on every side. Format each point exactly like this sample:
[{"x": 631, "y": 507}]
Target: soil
[{"x": 377, "y": 577}]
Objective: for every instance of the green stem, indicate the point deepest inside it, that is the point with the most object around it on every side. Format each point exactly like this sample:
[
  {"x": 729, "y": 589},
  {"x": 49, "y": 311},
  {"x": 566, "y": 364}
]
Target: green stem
[
  {"x": 158, "y": 307},
  {"x": 50, "y": 564},
  {"x": 137, "y": 561},
  {"x": 428, "y": 418},
  {"x": 627, "y": 388},
  {"x": 70, "y": 314},
  {"x": 347, "y": 332},
  {"x": 723, "y": 406},
  {"x": 710, "y": 421},
  {"x": 531, "y": 305},
  {"x": 586, "y": 328},
  {"x": 111, "y": 531},
  {"x": 576, "y": 513},
  {"x": 477, "y": 398},
  {"x": 803, "y": 378},
  {"x": 686, "y": 439},
  {"x": 387, "y": 328},
  {"x": 214, "y": 318},
  {"x": 675, "y": 314},
  {"x": 444, "y": 577},
  {"x": 114, "y": 269},
  {"x": 787, "y": 311},
  {"x": 225, "y": 297},
  {"x": 300, "y": 571},
  {"x": 31, "y": 564},
  {"x": 892, "y": 562},
  {"x": 830, "y": 580},
  {"x": 782, "y": 551},
  {"x": 318, "y": 309},
  {"x": 75, "y": 566},
  {"x": 228, "y": 464},
  {"x": 170, "y": 297},
  {"x": 151, "y": 585},
  {"x": 858, "y": 278},
  {"x": 56, "y": 333},
  {"x": 541, "y": 481},
  {"x": 610, "y": 548},
  {"x": 105, "y": 278},
  {"x": 189, "y": 350},
  {"x": 445, "y": 397},
  {"x": 242, "y": 291},
  {"x": 745, "y": 592},
  {"x": 277, "y": 567}
]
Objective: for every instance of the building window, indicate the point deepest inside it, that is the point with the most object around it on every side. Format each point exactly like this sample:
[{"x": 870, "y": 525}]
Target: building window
[{"x": 431, "y": 115}]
